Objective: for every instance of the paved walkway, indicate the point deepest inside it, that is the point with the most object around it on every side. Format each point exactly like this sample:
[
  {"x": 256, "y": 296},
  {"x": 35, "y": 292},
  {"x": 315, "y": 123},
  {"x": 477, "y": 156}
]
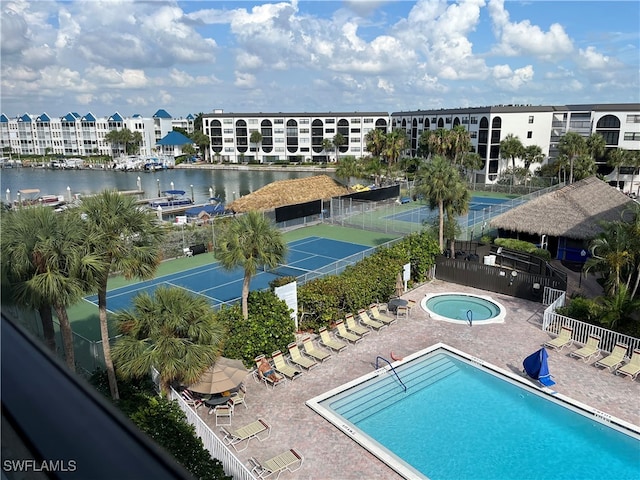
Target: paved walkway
[{"x": 331, "y": 455}]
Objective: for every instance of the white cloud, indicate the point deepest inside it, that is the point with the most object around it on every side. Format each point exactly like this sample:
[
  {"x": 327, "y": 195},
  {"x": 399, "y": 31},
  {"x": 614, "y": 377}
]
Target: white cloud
[
  {"x": 508, "y": 79},
  {"x": 523, "y": 38},
  {"x": 245, "y": 80},
  {"x": 590, "y": 59}
]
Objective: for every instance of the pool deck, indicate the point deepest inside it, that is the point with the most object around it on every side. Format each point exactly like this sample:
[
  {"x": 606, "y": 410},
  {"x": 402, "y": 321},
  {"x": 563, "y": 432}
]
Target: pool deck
[{"x": 329, "y": 454}]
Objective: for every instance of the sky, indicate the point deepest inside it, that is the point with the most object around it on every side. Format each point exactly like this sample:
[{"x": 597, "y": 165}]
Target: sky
[{"x": 135, "y": 57}]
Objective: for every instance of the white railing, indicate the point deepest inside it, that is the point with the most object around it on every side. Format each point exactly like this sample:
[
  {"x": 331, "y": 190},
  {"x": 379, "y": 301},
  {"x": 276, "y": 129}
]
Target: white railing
[
  {"x": 553, "y": 296},
  {"x": 553, "y": 322},
  {"x": 214, "y": 445}
]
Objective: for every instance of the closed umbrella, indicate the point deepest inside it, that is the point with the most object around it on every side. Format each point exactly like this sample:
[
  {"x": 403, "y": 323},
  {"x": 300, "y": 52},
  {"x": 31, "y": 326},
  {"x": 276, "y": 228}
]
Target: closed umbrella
[
  {"x": 399, "y": 286},
  {"x": 226, "y": 374}
]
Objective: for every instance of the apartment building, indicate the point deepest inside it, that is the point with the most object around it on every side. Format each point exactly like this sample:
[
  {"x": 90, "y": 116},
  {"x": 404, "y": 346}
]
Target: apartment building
[
  {"x": 289, "y": 136},
  {"x": 619, "y": 124},
  {"x": 83, "y": 135}
]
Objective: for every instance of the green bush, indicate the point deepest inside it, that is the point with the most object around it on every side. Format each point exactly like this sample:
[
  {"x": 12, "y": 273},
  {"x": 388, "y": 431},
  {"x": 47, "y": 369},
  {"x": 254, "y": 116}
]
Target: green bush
[
  {"x": 583, "y": 309},
  {"x": 165, "y": 423},
  {"x": 371, "y": 280},
  {"x": 522, "y": 246},
  {"x": 268, "y": 328}
]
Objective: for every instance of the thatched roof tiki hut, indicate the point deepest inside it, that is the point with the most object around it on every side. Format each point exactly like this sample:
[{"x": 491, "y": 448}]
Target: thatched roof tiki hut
[
  {"x": 564, "y": 221},
  {"x": 289, "y": 192}
]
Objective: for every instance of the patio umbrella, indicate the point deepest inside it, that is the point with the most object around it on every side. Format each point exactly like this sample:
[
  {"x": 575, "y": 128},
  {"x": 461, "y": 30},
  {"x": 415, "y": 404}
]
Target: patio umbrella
[
  {"x": 226, "y": 374},
  {"x": 399, "y": 286}
]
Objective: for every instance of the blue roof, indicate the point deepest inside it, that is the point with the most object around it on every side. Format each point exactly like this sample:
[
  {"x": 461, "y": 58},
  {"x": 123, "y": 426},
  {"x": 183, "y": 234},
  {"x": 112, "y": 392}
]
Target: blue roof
[
  {"x": 4, "y": 118},
  {"x": 190, "y": 117},
  {"x": 24, "y": 118},
  {"x": 43, "y": 118},
  {"x": 174, "y": 138},
  {"x": 208, "y": 209},
  {"x": 116, "y": 117},
  {"x": 69, "y": 117},
  {"x": 161, "y": 114},
  {"x": 89, "y": 117},
  {"x": 136, "y": 115}
]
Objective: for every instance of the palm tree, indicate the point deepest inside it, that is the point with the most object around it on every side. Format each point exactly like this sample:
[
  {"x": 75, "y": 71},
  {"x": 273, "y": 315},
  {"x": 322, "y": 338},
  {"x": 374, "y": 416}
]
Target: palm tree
[
  {"x": 202, "y": 141},
  {"x": 572, "y": 145},
  {"x": 435, "y": 181},
  {"x": 471, "y": 161},
  {"x": 395, "y": 143},
  {"x": 511, "y": 148},
  {"x": 456, "y": 204},
  {"x": 174, "y": 331},
  {"x": 375, "y": 142},
  {"x": 618, "y": 158},
  {"x": 338, "y": 141},
  {"x": 129, "y": 243},
  {"x": 46, "y": 264},
  {"x": 327, "y": 146},
  {"x": 251, "y": 242},
  {"x": 115, "y": 139},
  {"x": 438, "y": 141},
  {"x": 347, "y": 168},
  {"x": 256, "y": 139},
  {"x": 596, "y": 145},
  {"x": 133, "y": 146},
  {"x": 460, "y": 143},
  {"x": 611, "y": 255},
  {"x": 374, "y": 166}
]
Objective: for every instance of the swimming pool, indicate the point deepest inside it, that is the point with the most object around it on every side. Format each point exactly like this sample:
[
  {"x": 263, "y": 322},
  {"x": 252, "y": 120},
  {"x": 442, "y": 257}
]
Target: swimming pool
[
  {"x": 463, "y": 308},
  {"x": 462, "y": 418}
]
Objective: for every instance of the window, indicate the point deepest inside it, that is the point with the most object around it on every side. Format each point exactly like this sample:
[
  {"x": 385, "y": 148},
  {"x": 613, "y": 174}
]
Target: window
[
  {"x": 355, "y": 120},
  {"x": 278, "y": 131},
  {"x": 632, "y": 136},
  {"x": 331, "y": 130},
  {"x": 278, "y": 140},
  {"x": 355, "y": 140},
  {"x": 228, "y": 140},
  {"x": 474, "y": 120},
  {"x": 355, "y": 130},
  {"x": 529, "y": 134},
  {"x": 228, "y": 131},
  {"x": 473, "y": 134},
  {"x": 530, "y": 118},
  {"x": 633, "y": 118},
  {"x": 304, "y": 121},
  {"x": 253, "y": 121},
  {"x": 368, "y": 120},
  {"x": 448, "y": 120},
  {"x": 279, "y": 149},
  {"x": 227, "y": 121},
  {"x": 278, "y": 121},
  {"x": 304, "y": 140},
  {"x": 355, "y": 149},
  {"x": 330, "y": 120}
]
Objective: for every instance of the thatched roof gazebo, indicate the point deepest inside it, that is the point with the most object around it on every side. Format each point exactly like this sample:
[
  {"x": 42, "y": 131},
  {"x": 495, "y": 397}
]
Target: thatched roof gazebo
[
  {"x": 289, "y": 192},
  {"x": 571, "y": 214}
]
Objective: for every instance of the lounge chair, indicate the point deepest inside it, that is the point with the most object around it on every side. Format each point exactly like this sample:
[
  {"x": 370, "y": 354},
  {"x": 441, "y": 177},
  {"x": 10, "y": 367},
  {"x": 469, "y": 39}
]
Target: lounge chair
[
  {"x": 354, "y": 327},
  {"x": 289, "y": 460},
  {"x": 297, "y": 358},
  {"x": 590, "y": 349},
  {"x": 258, "y": 429},
  {"x": 343, "y": 333},
  {"x": 562, "y": 340},
  {"x": 631, "y": 369},
  {"x": 377, "y": 315},
  {"x": 283, "y": 367},
  {"x": 238, "y": 397},
  {"x": 329, "y": 342},
  {"x": 614, "y": 359},
  {"x": 365, "y": 319},
  {"x": 313, "y": 352},
  {"x": 267, "y": 380},
  {"x": 410, "y": 305}
]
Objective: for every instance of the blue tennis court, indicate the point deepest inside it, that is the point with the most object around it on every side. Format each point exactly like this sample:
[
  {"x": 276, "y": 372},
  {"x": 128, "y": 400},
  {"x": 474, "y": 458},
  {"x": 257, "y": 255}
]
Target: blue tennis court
[
  {"x": 220, "y": 285},
  {"x": 420, "y": 214}
]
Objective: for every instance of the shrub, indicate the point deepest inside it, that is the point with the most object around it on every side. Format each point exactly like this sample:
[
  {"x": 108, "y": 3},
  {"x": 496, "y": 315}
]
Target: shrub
[
  {"x": 165, "y": 423},
  {"x": 269, "y": 327},
  {"x": 583, "y": 309},
  {"x": 522, "y": 246}
]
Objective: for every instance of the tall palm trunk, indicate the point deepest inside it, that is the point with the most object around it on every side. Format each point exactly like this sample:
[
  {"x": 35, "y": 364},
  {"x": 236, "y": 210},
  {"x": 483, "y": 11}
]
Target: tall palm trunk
[
  {"x": 106, "y": 347},
  {"x": 67, "y": 336},
  {"x": 441, "y": 226},
  {"x": 46, "y": 318},
  {"x": 245, "y": 295}
]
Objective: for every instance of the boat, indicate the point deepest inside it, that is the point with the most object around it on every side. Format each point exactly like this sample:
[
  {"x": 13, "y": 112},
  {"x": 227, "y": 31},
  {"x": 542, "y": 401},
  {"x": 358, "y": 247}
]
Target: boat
[
  {"x": 31, "y": 197},
  {"x": 202, "y": 213},
  {"x": 171, "y": 198}
]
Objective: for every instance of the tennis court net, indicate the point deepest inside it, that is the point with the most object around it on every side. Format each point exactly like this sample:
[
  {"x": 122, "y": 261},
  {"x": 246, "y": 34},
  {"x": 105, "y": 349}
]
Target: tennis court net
[{"x": 286, "y": 271}]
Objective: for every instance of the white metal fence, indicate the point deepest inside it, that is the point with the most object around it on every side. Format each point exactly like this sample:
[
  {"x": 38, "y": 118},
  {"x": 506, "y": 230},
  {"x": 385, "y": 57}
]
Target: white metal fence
[
  {"x": 553, "y": 322},
  {"x": 214, "y": 445}
]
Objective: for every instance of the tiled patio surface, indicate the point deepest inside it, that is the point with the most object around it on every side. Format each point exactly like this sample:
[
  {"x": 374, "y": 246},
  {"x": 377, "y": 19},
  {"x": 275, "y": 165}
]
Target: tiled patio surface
[{"x": 331, "y": 455}]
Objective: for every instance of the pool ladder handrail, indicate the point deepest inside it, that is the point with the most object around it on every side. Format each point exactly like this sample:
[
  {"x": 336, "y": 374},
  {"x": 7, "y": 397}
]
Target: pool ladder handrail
[
  {"x": 393, "y": 369},
  {"x": 470, "y": 317}
]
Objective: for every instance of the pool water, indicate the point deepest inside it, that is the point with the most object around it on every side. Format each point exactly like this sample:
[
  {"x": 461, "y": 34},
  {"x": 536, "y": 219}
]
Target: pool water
[
  {"x": 466, "y": 308},
  {"x": 459, "y": 421}
]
